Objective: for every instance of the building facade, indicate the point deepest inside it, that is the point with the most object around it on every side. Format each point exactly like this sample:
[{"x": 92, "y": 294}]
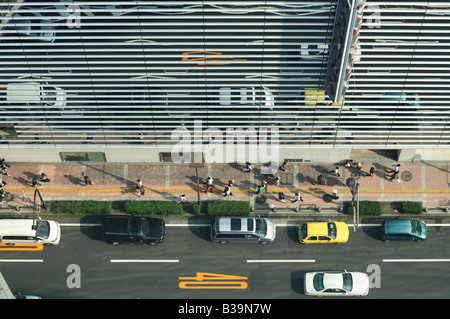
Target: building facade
[{"x": 130, "y": 81}]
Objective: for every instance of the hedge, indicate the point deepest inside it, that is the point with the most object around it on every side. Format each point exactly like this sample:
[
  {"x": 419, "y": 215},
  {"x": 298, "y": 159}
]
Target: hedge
[
  {"x": 411, "y": 207},
  {"x": 153, "y": 208},
  {"x": 229, "y": 208},
  {"x": 83, "y": 208},
  {"x": 367, "y": 208}
]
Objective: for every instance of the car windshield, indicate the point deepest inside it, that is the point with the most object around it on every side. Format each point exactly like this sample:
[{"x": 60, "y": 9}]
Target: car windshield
[
  {"x": 303, "y": 231},
  {"x": 43, "y": 229},
  {"x": 332, "y": 230},
  {"x": 347, "y": 281},
  {"x": 261, "y": 227},
  {"x": 318, "y": 282},
  {"x": 415, "y": 227}
]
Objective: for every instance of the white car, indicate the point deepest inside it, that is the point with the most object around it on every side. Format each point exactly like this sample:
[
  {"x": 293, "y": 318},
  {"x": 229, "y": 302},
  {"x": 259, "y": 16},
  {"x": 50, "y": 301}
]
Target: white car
[{"x": 336, "y": 283}]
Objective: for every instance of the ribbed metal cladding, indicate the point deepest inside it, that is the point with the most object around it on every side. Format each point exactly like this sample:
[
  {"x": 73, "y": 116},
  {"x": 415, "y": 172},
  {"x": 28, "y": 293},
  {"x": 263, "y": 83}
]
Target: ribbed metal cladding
[{"x": 133, "y": 71}]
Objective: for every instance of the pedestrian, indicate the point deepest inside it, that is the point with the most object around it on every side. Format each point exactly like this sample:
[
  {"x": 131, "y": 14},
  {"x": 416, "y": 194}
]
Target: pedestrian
[
  {"x": 139, "y": 184},
  {"x": 335, "y": 171},
  {"x": 335, "y": 194},
  {"x": 360, "y": 165},
  {"x": 208, "y": 183},
  {"x": 283, "y": 166},
  {"x": 87, "y": 181},
  {"x": 35, "y": 183},
  {"x": 276, "y": 181},
  {"x": 297, "y": 197},
  {"x": 2, "y": 194},
  {"x": 43, "y": 178},
  {"x": 350, "y": 163},
  {"x": 2, "y": 182},
  {"x": 396, "y": 168},
  {"x": 3, "y": 163},
  {"x": 281, "y": 197},
  {"x": 231, "y": 183},
  {"x": 182, "y": 198},
  {"x": 248, "y": 167},
  {"x": 227, "y": 191},
  {"x": 372, "y": 171},
  {"x": 141, "y": 191}
]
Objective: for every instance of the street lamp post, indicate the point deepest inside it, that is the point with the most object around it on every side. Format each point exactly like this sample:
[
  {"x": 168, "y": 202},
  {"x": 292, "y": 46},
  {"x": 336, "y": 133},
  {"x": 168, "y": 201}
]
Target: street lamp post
[{"x": 36, "y": 192}]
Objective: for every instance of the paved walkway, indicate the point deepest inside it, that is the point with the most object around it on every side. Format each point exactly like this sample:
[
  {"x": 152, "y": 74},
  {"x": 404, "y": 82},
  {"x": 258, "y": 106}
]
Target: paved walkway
[{"x": 427, "y": 182}]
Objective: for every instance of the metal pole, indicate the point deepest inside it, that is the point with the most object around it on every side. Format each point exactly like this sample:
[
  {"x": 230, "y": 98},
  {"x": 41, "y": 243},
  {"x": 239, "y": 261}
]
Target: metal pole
[
  {"x": 357, "y": 203},
  {"x": 36, "y": 191},
  {"x": 198, "y": 186}
]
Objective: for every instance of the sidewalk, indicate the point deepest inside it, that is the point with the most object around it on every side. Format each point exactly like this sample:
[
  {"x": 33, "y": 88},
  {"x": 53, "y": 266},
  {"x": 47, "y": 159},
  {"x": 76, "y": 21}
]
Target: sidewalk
[{"x": 426, "y": 182}]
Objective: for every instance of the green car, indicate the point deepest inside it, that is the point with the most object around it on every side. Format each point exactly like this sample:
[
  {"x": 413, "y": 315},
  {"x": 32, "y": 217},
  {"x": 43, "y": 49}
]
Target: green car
[{"x": 397, "y": 229}]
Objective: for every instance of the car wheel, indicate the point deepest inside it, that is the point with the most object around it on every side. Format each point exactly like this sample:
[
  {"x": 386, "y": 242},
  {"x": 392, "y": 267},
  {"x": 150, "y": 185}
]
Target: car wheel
[
  {"x": 223, "y": 242},
  {"x": 115, "y": 243},
  {"x": 263, "y": 242}
]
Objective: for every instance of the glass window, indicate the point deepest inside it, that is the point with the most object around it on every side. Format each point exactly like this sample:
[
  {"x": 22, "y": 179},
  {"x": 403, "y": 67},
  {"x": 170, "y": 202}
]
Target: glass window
[
  {"x": 261, "y": 227},
  {"x": 347, "y": 281},
  {"x": 235, "y": 224},
  {"x": 332, "y": 230},
  {"x": 43, "y": 229},
  {"x": 318, "y": 282}
]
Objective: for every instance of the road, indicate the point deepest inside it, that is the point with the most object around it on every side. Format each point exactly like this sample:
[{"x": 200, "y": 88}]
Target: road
[{"x": 275, "y": 271}]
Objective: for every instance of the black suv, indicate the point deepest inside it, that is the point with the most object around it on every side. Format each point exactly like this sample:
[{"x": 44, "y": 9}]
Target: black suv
[{"x": 133, "y": 230}]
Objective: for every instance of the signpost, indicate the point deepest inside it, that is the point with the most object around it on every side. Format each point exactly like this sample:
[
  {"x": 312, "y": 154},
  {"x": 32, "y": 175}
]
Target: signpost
[{"x": 197, "y": 165}]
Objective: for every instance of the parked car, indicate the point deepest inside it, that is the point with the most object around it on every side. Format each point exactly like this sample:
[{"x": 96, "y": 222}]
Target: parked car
[
  {"x": 336, "y": 283},
  {"x": 40, "y": 29},
  {"x": 27, "y": 231},
  {"x": 400, "y": 229},
  {"x": 132, "y": 230},
  {"x": 323, "y": 232},
  {"x": 242, "y": 230}
]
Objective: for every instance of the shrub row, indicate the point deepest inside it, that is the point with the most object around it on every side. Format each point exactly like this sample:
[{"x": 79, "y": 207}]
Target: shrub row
[
  {"x": 373, "y": 208},
  {"x": 83, "y": 208},
  {"x": 161, "y": 208},
  {"x": 229, "y": 208}
]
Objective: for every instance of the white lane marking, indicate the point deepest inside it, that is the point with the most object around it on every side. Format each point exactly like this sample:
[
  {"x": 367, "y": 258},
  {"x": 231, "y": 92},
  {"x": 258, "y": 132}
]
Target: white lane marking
[
  {"x": 414, "y": 260},
  {"x": 21, "y": 260},
  {"x": 144, "y": 260},
  {"x": 281, "y": 260}
]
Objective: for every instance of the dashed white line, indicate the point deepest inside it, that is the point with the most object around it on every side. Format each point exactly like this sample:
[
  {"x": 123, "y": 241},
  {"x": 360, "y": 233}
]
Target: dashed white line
[
  {"x": 281, "y": 261},
  {"x": 144, "y": 260},
  {"x": 21, "y": 260},
  {"x": 414, "y": 260}
]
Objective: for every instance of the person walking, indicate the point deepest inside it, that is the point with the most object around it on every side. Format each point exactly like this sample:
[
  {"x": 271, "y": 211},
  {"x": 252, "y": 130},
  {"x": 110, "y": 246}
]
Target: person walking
[
  {"x": 141, "y": 191},
  {"x": 281, "y": 197},
  {"x": 283, "y": 166},
  {"x": 182, "y": 198},
  {"x": 248, "y": 167},
  {"x": 276, "y": 181},
  {"x": 43, "y": 178},
  {"x": 394, "y": 176},
  {"x": 208, "y": 183},
  {"x": 297, "y": 197},
  {"x": 87, "y": 181},
  {"x": 227, "y": 191},
  {"x": 372, "y": 171},
  {"x": 335, "y": 171}
]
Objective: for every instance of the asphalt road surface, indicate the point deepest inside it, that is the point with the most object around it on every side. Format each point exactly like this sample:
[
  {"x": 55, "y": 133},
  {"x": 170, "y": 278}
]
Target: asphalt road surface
[{"x": 84, "y": 267}]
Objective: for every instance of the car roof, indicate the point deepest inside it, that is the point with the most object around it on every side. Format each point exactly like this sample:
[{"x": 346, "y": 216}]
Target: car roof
[
  {"x": 237, "y": 223},
  {"x": 396, "y": 226},
  {"x": 19, "y": 227},
  {"x": 321, "y": 228}
]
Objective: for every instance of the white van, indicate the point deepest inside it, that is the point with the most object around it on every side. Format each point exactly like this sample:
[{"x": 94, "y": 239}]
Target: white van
[
  {"x": 40, "y": 93},
  {"x": 21, "y": 231}
]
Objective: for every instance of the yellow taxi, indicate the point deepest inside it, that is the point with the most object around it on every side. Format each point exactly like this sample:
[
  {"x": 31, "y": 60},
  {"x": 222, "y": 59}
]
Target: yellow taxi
[{"x": 323, "y": 232}]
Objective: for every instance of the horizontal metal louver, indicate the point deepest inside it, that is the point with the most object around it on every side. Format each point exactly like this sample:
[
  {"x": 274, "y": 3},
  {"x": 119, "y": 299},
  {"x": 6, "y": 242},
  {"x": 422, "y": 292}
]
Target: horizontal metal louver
[{"x": 119, "y": 72}]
